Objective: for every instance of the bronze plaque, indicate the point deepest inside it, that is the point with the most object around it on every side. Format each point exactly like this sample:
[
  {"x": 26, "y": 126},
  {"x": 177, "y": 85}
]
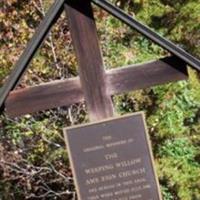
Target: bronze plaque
[{"x": 112, "y": 160}]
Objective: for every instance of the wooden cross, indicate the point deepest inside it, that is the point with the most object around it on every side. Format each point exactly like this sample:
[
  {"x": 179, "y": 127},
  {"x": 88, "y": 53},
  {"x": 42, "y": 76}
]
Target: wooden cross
[{"x": 95, "y": 85}]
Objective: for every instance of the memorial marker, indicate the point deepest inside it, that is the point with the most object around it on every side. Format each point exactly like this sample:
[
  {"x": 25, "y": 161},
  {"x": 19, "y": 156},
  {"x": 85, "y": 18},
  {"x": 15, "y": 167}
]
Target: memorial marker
[{"x": 112, "y": 159}]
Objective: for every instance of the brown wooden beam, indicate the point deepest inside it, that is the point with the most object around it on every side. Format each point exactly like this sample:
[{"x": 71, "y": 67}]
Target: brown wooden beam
[
  {"x": 44, "y": 96},
  {"x": 145, "y": 75},
  {"x": 91, "y": 69},
  {"x": 119, "y": 80}
]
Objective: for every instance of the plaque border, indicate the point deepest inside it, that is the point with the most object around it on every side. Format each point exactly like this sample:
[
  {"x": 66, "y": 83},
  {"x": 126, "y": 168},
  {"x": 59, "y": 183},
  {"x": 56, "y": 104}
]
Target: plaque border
[{"x": 148, "y": 142}]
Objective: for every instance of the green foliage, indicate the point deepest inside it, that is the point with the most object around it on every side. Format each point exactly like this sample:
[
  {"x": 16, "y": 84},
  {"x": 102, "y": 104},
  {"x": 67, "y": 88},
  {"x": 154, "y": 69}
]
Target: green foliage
[
  {"x": 181, "y": 177},
  {"x": 45, "y": 133},
  {"x": 166, "y": 193},
  {"x": 179, "y": 148},
  {"x": 176, "y": 105}
]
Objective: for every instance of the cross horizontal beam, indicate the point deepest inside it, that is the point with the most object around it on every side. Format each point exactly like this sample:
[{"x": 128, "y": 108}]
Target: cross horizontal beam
[{"x": 119, "y": 80}]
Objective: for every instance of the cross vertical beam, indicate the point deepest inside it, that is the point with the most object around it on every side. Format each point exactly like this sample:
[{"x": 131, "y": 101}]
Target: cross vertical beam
[{"x": 91, "y": 70}]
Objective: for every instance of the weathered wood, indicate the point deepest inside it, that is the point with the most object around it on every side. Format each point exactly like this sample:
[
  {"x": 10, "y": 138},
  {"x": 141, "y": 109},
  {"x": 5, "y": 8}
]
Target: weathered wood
[
  {"x": 146, "y": 75},
  {"x": 119, "y": 80},
  {"x": 92, "y": 75},
  {"x": 42, "y": 97}
]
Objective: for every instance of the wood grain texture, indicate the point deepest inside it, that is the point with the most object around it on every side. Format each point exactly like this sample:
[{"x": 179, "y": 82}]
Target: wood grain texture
[
  {"x": 44, "y": 96},
  {"x": 146, "y": 75},
  {"x": 119, "y": 80},
  {"x": 91, "y": 70}
]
